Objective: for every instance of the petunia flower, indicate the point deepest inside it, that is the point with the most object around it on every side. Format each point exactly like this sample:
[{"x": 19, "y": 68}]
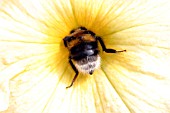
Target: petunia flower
[{"x": 34, "y": 68}]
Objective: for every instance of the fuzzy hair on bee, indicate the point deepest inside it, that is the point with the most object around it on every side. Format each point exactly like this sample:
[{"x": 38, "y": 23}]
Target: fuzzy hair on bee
[{"x": 84, "y": 57}]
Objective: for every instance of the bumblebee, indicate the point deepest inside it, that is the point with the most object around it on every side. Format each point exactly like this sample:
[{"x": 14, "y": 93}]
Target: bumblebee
[{"x": 83, "y": 51}]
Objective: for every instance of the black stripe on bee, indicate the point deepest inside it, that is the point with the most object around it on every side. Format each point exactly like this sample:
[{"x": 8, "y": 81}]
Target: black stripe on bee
[{"x": 83, "y": 47}]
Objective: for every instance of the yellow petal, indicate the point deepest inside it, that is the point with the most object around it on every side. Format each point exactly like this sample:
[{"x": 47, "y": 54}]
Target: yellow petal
[
  {"x": 34, "y": 60},
  {"x": 141, "y": 75},
  {"x": 4, "y": 95}
]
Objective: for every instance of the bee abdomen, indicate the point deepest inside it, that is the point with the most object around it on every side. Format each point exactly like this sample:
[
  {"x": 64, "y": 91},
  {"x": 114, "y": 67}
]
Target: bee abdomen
[
  {"x": 83, "y": 46},
  {"x": 88, "y": 64},
  {"x": 83, "y": 50}
]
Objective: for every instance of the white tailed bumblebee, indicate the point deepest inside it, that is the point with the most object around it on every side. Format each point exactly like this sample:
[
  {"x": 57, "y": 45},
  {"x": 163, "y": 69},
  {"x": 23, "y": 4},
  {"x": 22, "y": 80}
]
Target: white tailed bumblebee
[{"x": 84, "y": 52}]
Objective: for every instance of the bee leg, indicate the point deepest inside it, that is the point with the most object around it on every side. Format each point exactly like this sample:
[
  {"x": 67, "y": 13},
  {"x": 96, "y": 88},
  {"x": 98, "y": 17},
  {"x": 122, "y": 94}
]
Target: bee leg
[
  {"x": 104, "y": 47},
  {"x": 65, "y": 41},
  {"x": 76, "y": 71}
]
